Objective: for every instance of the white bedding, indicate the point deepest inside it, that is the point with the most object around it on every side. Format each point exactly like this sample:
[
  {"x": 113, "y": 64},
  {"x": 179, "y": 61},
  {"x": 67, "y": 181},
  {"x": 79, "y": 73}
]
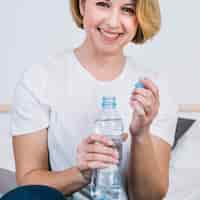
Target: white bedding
[{"x": 185, "y": 167}]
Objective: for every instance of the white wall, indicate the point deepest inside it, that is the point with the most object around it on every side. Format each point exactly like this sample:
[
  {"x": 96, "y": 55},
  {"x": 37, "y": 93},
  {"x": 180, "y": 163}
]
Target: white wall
[{"x": 32, "y": 30}]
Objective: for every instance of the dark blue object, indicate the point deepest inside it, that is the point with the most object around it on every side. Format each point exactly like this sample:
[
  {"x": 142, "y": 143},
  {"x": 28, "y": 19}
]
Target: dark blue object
[
  {"x": 34, "y": 192},
  {"x": 183, "y": 124},
  {"x": 139, "y": 85}
]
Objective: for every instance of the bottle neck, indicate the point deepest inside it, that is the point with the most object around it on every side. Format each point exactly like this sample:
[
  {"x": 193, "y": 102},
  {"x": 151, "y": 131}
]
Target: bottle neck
[
  {"x": 109, "y": 108},
  {"x": 110, "y": 112}
]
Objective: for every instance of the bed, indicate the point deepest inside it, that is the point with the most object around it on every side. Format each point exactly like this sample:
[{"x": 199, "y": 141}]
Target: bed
[{"x": 184, "y": 181}]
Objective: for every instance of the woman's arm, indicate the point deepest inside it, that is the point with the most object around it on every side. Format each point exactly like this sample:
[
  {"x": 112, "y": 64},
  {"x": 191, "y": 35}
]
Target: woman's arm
[
  {"x": 149, "y": 158},
  {"x": 31, "y": 158},
  {"x": 148, "y": 168}
]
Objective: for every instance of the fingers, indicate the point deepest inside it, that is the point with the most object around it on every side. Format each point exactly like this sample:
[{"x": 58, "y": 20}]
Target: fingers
[
  {"x": 146, "y": 99},
  {"x": 150, "y": 85},
  {"x": 96, "y": 160},
  {"x": 99, "y": 148},
  {"x": 93, "y": 165},
  {"x": 97, "y": 157},
  {"x": 105, "y": 152},
  {"x": 146, "y": 95},
  {"x": 137, "y": 108},
  {"x": 96, "y": 151},
  {"x": 124, "y": 137},
  {"x": 85, "y": 165},
  {"x": 146, "y": 103},
  {"x": 97, "y": 138}
]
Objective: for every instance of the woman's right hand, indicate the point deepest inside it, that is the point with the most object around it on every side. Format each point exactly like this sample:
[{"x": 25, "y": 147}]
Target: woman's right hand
[{"x": 96, "y": 151}]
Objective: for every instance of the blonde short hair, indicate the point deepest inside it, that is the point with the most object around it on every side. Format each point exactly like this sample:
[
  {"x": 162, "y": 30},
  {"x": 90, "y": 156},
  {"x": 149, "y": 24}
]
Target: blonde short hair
[{"x": 147, "y": 13}]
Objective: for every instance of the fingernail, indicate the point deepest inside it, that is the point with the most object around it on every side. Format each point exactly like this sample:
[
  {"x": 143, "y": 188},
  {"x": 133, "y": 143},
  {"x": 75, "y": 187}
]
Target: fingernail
[
  {"x": 116, "y": 154},
  {"x": 117, "y": 161},
  {"x": 110, "y": 142},
  {"x": 124, "y": 136}
]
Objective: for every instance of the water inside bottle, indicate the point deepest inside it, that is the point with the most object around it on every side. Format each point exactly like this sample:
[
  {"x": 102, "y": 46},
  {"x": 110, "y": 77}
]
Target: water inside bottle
[{"x": 106, "y": 183}]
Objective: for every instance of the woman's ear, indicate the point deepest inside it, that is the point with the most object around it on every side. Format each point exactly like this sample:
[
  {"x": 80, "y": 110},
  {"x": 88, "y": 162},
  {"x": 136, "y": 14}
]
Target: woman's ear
[{"x": 82, "y": 7}]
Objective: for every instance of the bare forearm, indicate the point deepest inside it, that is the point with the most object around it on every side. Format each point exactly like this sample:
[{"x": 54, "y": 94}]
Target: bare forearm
[
  {"x": 67, "y": 181},
  {"x": 145, "y": 177}
]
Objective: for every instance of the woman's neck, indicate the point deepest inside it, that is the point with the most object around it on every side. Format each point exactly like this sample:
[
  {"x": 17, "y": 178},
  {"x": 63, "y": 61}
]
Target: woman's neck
[{"x": 102, "y": 65}]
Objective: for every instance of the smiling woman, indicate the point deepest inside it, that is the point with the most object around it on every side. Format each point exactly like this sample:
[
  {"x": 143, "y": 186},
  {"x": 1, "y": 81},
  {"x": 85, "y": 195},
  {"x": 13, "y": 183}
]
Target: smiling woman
[
  {"x": 147, "y": 13},
  {"x": 55, "y": 106}
]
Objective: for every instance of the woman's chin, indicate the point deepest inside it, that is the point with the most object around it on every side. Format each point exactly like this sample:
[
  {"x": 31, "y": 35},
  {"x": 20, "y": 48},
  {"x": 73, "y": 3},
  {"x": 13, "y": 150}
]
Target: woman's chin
[{"x": 109, "y": 50}]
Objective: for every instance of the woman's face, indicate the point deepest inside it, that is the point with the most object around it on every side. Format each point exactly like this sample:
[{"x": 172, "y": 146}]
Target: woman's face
[{"x": 109, "y": 24}]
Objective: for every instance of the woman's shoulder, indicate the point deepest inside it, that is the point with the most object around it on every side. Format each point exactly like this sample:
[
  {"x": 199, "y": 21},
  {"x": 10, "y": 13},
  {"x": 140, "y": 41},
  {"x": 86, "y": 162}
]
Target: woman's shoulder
[
  {"x": 46, "y": 77},
  {"x": 59, "y": 62},
  {"x": 55, "y": 65}
]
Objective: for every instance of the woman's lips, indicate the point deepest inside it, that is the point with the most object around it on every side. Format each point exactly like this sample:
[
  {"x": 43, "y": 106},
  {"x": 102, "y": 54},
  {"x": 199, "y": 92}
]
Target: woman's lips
[{"x": 108, "y": 35}]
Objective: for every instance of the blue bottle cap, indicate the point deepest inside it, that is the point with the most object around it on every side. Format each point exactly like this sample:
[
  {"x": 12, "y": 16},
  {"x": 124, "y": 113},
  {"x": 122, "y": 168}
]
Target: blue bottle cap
[{"x": 139, "y": 85}]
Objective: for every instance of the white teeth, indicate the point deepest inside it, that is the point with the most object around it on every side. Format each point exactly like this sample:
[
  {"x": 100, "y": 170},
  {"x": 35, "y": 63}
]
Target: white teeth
[{"x": 109, "y": 35}]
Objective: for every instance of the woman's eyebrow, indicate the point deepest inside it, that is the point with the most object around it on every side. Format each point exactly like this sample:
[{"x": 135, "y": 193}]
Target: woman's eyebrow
[
  {"x": 133, "y": 4},
  {"x": 130, "y": 4}
]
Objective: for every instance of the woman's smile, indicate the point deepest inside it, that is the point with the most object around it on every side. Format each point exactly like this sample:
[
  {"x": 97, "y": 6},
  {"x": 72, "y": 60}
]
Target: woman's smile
[{"x": 108, "y": 35}]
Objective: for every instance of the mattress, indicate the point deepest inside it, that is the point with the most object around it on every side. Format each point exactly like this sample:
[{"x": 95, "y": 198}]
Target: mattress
[{"x": 184, "y": 181}]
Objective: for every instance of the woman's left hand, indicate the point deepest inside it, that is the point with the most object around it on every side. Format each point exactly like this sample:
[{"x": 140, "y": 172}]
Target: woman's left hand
[{"x": 145, "y": 103}]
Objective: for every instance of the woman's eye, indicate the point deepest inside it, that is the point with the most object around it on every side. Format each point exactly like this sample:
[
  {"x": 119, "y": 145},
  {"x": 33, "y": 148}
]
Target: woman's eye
[
  {"x": 130, "y": 11},
  {"x": 103, "y": 4}
]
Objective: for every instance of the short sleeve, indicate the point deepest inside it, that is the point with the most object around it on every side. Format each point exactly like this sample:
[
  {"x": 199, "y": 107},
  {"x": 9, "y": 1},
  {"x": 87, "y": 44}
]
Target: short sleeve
[
  {"x": 164, "y": 125},
  {"x": 30, "y": 111}
]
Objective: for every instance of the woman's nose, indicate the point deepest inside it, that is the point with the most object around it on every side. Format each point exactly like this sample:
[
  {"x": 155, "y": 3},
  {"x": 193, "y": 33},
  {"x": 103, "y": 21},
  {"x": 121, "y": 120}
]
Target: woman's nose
[{"x": 113, "y": 19}]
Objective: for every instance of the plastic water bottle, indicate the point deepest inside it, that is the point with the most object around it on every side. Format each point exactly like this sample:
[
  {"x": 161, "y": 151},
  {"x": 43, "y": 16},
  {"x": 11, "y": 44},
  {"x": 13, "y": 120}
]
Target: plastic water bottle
[{"x": 106, "y": 183}]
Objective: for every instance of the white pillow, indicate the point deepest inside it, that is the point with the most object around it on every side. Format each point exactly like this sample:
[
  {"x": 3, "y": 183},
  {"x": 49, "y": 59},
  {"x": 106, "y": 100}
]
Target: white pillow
[{"x": 185, "y": 166}]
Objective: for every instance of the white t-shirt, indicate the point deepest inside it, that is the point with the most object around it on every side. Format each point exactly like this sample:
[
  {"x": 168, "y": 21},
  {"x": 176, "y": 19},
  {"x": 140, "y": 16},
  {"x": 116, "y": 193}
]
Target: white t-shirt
[{"x": 64, "y": 97}]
